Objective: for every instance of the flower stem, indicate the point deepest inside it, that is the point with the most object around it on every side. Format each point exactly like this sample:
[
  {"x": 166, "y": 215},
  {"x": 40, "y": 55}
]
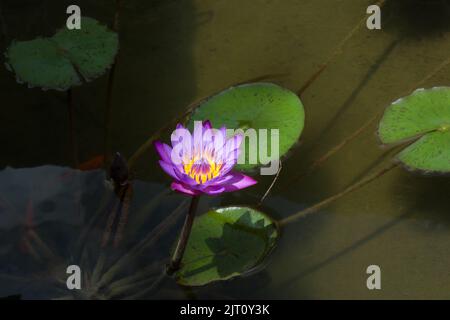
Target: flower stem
[
  {"x": 184, "y": 237},
  {"x": 322, "y": 159}
]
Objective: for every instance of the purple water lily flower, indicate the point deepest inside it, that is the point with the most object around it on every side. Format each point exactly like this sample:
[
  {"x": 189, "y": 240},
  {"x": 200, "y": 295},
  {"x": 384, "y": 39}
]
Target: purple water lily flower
[{"x": 202, "y": 162}]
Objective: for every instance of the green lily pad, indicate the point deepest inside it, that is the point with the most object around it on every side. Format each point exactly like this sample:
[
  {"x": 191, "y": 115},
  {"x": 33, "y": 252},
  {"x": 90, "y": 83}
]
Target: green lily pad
[
  {"x": 40, "y": 63},
  {"x": 67, "y": 59},
  {"x": 425, "y": 116},
  {"x": 92, "y": 49},
  {"x": 256, "y": 106},
  {"x": 226, "y": 243}
]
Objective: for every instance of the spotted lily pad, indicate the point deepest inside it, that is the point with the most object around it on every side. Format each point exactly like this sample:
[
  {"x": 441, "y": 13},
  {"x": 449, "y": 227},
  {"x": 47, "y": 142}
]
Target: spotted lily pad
[
  {"x": 66, "y": 59},
  {"x": 423, "y": 116},
  {"x": 256, "y": 106},
  {"x": 226, "y": 243}
]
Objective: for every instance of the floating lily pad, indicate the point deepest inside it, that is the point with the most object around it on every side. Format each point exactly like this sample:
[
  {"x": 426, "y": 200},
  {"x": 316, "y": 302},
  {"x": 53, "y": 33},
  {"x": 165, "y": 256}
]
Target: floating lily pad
[
  {"x": 256, "y": 106},
  {"x": 92, "y": 49},
  {"x": 66, "y": 59},
  {"x": 425, "y": 116},
  {"x": 40, "y": 63},
  {"x": 226, "y": 243}
]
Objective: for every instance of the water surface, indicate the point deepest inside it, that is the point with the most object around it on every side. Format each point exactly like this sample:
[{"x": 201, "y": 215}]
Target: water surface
[{"x": 173, "y": 52}]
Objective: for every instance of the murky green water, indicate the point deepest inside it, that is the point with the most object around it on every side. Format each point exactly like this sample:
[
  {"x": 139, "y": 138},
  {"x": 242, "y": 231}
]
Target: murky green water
[{"x": 173, "y": 52}]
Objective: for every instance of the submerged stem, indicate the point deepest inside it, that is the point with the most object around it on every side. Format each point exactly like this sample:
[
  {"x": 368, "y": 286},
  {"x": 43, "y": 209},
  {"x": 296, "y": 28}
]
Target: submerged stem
[
  {"x": 336, "y": 52},
  {"x": 184, "y": 237},
  {"x": 322, "y": 159},
  {"x": 72, "y": 135},
  {"x": 317, "y": 163},
  {"x": 361, "y": 183},
  {"x": 109, "y": 91},
  {"x": 117, "y": 15},
  {"x": 108, "y": 113}
]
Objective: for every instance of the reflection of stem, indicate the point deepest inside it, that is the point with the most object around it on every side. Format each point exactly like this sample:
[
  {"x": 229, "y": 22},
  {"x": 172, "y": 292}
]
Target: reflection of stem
[
  {"x": 317, "y": 163},
  {"x": 337, "y": 196},
  {"x": 31, "y": 250},
  {"x": 155, "y": 285},
  {"x": 132, "y": 287},
  {"x": 184, "y": 237},
  {"x": 374, "y": 68},
  {"x": 71, "y": 112},
  {"x": 43, "y": 246},
  {"x": 336, "y": 52},
  {"x": 147, "y": 272},
  {"x": 343, "y": 143},
  {"x": 380, "y": 230},
  {"x": 109, "y": 90},
  {"x": 98, "y": 268},
  {"x": 357, "y": 90}
]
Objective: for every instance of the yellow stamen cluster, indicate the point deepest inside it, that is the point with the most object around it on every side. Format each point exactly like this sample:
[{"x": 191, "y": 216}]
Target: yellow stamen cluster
[{"x": 202, "y": 168}]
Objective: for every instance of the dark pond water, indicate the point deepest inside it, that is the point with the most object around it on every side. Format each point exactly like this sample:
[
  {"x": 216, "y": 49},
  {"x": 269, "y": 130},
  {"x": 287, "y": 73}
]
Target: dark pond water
[{"x": 173, "y": 52}]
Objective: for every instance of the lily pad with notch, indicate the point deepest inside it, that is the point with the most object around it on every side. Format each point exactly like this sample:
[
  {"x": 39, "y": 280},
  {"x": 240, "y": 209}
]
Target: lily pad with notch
[
  {"x": 67, "y": 59},
  {"x": 256, "y": 106},
  {"x": 226, "y": 243},
  {"x": 424, "y": 119}
]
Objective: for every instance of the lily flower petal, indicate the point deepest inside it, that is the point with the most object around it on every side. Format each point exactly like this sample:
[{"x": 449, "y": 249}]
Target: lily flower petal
[
  {"x": 176, "y": 186},
  {"x": 214, "y": 191},
  {"x": 169, "y": 169},
  {"x": 231, "y": 182},
  {"x": 240, "y": 181},
  {"x": 207, "y": 125},
  {"x": 163, "y": 150}
]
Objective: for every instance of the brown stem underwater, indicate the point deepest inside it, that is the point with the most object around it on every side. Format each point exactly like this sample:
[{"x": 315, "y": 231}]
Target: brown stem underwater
[{"x": 337, "y": 196}]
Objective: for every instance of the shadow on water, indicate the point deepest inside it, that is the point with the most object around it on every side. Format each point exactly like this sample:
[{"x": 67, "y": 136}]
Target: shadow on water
[
  {"x": 374, "y": 68},
  {"x": 285, "y": 285},
  {"x": 417, "y": 18},
  {"x": 429, "y": 196}
]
